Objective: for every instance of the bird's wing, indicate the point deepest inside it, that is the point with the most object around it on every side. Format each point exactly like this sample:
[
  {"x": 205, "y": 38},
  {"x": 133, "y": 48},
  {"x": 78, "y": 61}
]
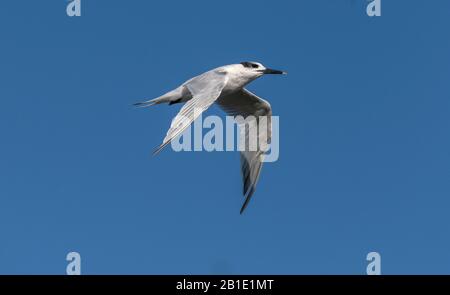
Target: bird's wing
[
  {"x": 205, "y": 89},
  {"x": 245, "y": 104}
]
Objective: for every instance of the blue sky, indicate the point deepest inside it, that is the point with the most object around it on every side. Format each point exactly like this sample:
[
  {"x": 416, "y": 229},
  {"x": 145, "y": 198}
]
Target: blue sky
[{"x": 364, "y": 138}]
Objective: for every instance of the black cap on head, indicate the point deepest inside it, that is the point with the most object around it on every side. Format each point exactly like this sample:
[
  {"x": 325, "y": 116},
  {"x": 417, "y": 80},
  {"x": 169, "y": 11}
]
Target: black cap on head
[{"x": 248, "y": 64}]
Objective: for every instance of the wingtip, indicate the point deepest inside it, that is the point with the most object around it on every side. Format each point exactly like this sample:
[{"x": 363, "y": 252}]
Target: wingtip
[
  {"x": 160, "y": 148},
  {"x": 156, "y": 151},
  {"x": 248, "y": 197},
  {"x": 243, "y": 208}
]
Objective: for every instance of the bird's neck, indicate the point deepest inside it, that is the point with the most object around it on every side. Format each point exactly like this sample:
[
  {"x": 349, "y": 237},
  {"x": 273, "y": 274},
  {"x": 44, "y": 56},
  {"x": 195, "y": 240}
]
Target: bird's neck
[{"x": 236, "y": 82}]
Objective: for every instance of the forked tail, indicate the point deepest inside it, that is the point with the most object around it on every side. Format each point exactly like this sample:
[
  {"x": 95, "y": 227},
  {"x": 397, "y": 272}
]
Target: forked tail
[{"x": 172, "y": 97}]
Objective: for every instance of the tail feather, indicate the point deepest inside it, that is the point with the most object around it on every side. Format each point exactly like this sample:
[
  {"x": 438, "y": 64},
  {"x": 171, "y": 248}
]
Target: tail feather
[
  {"x": 147, "y": 103},
  {"x": 171, "y": 97}
]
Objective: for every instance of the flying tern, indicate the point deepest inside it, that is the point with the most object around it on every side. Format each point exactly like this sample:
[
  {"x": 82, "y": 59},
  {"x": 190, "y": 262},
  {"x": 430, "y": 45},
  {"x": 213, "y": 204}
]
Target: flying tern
[{"x": 225, "y": 87}]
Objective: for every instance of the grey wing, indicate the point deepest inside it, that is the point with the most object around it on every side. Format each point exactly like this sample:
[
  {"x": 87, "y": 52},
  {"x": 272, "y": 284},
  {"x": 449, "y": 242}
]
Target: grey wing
[
  {"x": 245, "y": 104},
  {"x": 205, "y": 89}
]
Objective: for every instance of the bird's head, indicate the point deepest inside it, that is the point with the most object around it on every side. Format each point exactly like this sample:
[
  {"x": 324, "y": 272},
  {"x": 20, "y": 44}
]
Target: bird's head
[{"x": 256, "y": 70}]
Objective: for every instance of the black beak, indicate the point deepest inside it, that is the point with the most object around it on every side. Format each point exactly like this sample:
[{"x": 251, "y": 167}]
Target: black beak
[{"x": 273, "y": 72}]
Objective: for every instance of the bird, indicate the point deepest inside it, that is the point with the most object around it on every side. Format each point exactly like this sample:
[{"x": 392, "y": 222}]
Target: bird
[{"x": 224, "y": 86}]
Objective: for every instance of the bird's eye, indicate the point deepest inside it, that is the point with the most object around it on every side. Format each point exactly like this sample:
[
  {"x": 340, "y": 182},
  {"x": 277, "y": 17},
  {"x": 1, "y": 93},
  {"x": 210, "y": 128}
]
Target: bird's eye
[{"x": 255, "y": 66}]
